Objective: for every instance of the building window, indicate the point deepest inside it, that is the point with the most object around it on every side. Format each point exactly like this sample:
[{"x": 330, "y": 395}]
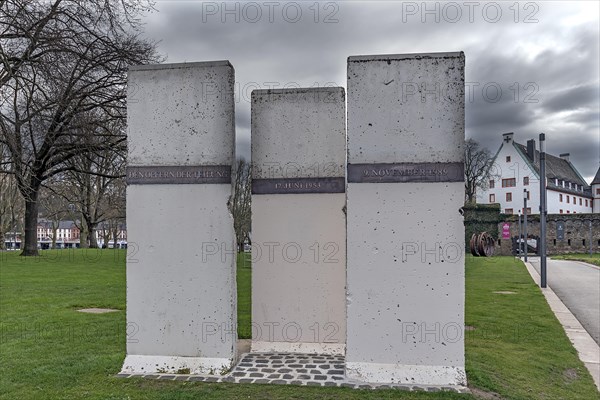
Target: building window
[
  {"x": 561, "y": 211},
  {"x": 580, "y": 202},
  {"x": 556, "y": 181},
  {"x": 491, "y": 183},
  {"x": 492, "y": 198},
  {"x": 569, "y": 242},
  {"x": 511, "y": 182},
  {"x": 560, "y": 197},
  {"x": 528, "y": 210},
  {"x": 525, "y": 180},
  {"x": 508, "y": 211},
  {"x": 568, "y": 199},
  {"x": 568, "y": 212},
  {"x": 509, "y": 196},
  {"x": 507, "y": 158},
  {"x": 598, "y": 191},
  {"x": 586, "y": 203},
  {"x": 528, "y": 195}
]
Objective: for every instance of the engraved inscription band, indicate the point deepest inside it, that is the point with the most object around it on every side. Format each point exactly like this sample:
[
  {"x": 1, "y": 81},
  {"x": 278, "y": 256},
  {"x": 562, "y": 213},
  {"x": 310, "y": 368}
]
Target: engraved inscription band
[
  {"x": 198, "y": 174},
  {"x": 298, "y": 185},
  {"x": 406, "y": 172}
]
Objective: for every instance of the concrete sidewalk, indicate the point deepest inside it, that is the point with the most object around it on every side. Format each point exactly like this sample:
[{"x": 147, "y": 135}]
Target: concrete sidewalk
[
  {"x": 577, "y": 284},
  {"x": 587, "y": 348}
]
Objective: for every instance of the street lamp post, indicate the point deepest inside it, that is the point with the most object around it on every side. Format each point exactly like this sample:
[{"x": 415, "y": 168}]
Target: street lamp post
[
  {"x": 543, "y": 210},
  {"x": 519, "y": 241},
  {"x": 525, "y": 194}
]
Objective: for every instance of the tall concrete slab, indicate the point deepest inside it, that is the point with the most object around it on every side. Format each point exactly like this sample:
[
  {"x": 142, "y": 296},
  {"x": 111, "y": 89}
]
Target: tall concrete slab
[
  {"x": 181, "y": 290},
  {"x": 405, "y": 231},
  {"x": 298, "y": 220}
]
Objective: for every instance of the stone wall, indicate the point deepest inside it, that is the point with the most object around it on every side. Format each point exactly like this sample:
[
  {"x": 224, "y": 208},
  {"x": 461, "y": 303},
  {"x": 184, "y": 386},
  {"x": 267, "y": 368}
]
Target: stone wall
[{"x": 576, "y": 233}]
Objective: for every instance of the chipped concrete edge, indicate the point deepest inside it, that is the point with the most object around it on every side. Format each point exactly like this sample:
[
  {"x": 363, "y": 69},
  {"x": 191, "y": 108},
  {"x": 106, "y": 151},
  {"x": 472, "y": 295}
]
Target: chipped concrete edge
[
  {"x": 407, "y": 374},
  {"x": 588, "y": 350},
  {"x": 151, "y": 364}
]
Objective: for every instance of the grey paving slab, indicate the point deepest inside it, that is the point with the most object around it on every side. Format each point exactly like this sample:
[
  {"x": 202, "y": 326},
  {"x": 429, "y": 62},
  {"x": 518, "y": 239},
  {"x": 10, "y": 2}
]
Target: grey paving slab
[{"x": 294, "y": 369}]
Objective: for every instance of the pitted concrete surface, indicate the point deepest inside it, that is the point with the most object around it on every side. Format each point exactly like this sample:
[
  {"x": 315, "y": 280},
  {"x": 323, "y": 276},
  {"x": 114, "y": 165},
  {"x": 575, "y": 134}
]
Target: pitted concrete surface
[{"x": 293, "y": 369}]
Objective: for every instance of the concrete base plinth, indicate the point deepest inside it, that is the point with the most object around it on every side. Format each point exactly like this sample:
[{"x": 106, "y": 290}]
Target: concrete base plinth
[
  {"x": 407, "y": 374},
  {"x": 140, "y": 364}
]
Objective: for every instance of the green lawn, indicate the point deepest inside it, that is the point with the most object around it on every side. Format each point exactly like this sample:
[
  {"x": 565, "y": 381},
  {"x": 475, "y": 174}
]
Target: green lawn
[
  {"x": 50, "y": 351},
  {"x": 517, "y": 348},
  {"x": 244, "y": 270},
  {"x": 594, "y": 258}
]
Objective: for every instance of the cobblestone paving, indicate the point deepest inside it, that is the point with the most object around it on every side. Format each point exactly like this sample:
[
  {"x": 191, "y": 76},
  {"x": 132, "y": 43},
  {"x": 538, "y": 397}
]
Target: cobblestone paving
[{"x": 293, "y": 369}]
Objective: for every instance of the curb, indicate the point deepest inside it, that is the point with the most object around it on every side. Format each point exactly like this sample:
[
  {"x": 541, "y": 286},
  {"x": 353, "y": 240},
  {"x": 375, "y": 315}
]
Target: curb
[{"x": 588, "y": 350}]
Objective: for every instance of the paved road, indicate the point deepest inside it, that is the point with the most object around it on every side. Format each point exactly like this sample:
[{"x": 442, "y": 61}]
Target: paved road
[{"x": 577, "y": 284}]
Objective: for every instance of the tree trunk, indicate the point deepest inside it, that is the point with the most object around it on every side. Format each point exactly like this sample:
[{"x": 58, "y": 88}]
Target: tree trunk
[
  {"x": 54, "y": 233},
  {"x": 105, "y": 238},
  {"x": 31, "y": 220},
  {"x": 92, "y": 236},
  {"x": 83, "y": 236},
  {"x": 2, "y": 239},
  {"x": 115, "y": 238}
]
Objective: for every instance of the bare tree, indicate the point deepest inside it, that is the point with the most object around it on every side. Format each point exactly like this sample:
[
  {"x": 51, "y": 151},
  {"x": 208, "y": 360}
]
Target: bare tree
[
  {"x": 478, "y": 171},
  {"x": 240, "y": 203},
  {"x": 32, "y": 29},
  {"x": 64, "y": 78},
  {"x": 95, "y": 192}
]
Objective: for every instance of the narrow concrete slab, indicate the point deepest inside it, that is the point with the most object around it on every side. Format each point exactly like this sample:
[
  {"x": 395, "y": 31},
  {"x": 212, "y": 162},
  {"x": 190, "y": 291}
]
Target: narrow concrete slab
[
  {"x": 298, "y": 220},
  {"x": 405, "y": 232},
  {"x": 181, "y": 289}
]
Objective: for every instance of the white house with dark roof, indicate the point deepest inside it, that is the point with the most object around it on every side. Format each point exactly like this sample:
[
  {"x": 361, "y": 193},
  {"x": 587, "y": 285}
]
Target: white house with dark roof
[
  {"x": 516, "y": 168},
  {"x": 596, "y": 192},
  {"x": 66, "y": 231}
]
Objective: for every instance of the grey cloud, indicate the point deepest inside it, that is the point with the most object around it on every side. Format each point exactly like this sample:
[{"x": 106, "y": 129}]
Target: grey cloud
[
  {"x": 306, "y": 53},
  {"x": 573, "y": 98}
]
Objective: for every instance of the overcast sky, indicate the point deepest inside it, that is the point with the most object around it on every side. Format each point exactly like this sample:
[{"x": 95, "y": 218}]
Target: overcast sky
[{"x": 543, "y": 56}]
